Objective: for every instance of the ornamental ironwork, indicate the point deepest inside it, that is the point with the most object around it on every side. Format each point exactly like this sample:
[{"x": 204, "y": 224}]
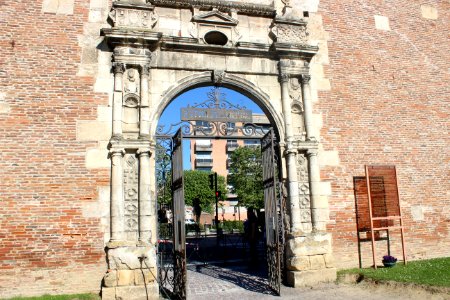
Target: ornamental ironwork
[
  {"x": 216, "y": 108},
  {"x": 216, "y": 117}
]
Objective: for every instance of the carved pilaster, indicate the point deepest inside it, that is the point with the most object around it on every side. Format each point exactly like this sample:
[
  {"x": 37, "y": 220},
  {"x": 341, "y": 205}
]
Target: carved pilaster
[
  {"x": 304, "y": 191},
  {"x": 131, "y": 195},
  {"x": 146, "y": 205}
]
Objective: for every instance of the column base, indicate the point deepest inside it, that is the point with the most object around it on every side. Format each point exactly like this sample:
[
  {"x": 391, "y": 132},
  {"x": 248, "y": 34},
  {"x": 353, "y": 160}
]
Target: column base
[
  {"x": 141, "y": 292},
  {"x": 298, "y": 279},
  {"x": 132, "y": 272}
]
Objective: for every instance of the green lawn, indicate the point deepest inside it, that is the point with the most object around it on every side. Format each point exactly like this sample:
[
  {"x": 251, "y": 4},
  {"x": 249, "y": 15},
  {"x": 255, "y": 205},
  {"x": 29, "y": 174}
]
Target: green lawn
[
  {"x": 433, "y": 272},
  {"x": 60, "y": 297}
]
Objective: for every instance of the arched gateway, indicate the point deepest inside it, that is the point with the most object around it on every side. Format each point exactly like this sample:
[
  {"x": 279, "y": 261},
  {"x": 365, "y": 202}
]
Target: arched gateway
[{"x": 221, "y": 43}]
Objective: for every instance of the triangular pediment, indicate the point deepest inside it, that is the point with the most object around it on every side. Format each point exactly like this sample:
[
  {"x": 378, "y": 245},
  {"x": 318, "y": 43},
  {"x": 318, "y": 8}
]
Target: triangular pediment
[{"x": 215, "y": 17}]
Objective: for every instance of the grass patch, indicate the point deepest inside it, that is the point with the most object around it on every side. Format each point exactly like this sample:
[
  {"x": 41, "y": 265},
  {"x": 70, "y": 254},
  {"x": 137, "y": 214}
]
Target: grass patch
[
  {"x": 60, "y": 297},
  {"x": 432, "y": 272}
]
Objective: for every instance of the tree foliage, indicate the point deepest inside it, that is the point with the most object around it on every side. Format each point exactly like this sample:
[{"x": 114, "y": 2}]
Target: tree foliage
[
  {"x": 246, "y": 176},
  {"x": 196, "y": 185}
]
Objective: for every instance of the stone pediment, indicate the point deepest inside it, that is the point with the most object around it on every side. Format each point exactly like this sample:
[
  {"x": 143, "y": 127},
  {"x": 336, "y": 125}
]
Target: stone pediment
[{"x": 215, "y": 17}]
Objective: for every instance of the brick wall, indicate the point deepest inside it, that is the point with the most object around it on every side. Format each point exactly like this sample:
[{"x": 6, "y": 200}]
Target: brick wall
[
  {"x": 388, "y": 104},
  {"x": 44, "y": 183}
]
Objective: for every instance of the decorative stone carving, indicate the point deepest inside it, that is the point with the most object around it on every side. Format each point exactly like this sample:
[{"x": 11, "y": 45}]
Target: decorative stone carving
[
  {"x": 136, "y": 18},
  {"x": 292, "y": 33},
  {"x": 295, "y": 91},
  {"x": 130, "y": 177},
  {"x": 296, "y": 107},
  {"x": 132, "y": 82},
  {"x": 222, "y": 5},
  {"x": 303, "y": 184},
  {"x": 131, "y": 101},
  {"x": 218, "y": 76}
]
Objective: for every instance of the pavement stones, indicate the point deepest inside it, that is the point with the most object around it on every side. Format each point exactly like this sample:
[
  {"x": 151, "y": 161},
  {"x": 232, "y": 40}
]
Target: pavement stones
[{"x": 206, "y": 282}]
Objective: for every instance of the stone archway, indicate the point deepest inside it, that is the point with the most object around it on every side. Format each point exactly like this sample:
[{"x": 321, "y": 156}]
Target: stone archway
[
  {"x": 231, "y": 81},
  {"x": 152, "y": 65}
]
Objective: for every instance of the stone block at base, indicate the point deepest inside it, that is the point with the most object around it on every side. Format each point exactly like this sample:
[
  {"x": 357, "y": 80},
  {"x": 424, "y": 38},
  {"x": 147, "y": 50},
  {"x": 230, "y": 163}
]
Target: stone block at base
[
  {"x": 131, "y": 292},
  {"x": 309, "y": 278}
]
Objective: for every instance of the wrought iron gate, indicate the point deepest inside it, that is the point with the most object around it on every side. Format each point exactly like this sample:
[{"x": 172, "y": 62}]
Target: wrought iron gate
[
  {"x": 178, "y": 211},
  {"x": 273, "y": 211}
]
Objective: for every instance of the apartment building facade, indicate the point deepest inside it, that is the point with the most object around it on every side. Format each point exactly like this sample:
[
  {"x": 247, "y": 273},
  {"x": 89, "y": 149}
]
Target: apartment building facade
[{"x": 213, "y": 155}]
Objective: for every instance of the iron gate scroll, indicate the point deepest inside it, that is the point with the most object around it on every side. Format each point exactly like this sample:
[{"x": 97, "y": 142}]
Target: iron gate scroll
[
  {"x": 273, "y": 211},
  {"x": 178, "y": 212}
]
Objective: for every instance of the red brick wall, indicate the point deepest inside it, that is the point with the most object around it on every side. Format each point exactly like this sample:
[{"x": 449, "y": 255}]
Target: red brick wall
[
  {"x": 388, "y": 104},
  {"x": 43, "y": 179}
]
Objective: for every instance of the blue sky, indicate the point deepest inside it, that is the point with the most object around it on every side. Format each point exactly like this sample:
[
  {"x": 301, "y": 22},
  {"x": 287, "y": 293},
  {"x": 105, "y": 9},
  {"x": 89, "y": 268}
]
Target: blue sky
[{"x": 171, "y": 114}]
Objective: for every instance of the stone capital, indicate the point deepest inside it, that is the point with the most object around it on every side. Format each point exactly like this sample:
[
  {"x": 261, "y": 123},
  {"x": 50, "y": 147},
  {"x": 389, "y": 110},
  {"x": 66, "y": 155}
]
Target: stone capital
[
  {"x": 283, "y": 77},
  {"x": 117, "y": 152},
  {"x": 119, "y": 68},
  {"x": 306, "y": 79},
  {"x": 312, "y": 152},
  {"x": 145, "y": 70},
  {"x": 142, "y": 152}
]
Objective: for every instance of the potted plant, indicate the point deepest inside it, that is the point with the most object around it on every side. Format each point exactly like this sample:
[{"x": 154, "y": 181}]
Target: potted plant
[{"x": 389, "y": 261}]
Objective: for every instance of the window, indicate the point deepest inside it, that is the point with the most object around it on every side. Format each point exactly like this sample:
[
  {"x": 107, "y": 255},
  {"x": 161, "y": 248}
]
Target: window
[
  {"x": 204, "y": 169},
  {"x": 203, "y": 155},
  {"x": 251, "y": 143}
]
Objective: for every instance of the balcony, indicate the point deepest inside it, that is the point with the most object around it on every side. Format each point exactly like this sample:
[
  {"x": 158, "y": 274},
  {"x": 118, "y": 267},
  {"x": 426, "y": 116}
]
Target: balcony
[
  {"x": 231, "y": 146},
  {"x": 203, "y": 147},
  {"x": 203, "y": 162},
  {"x": 228, "y": 162}
]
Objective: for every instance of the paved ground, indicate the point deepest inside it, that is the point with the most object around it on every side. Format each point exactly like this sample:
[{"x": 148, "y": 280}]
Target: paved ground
[{"x": 217, "y": 283}]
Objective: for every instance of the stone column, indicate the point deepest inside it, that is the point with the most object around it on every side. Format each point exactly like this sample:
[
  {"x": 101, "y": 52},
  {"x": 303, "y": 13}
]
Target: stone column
[
  {"x": 145, "y": 200},
  {"x": 314, "y": 180},
  {"x": 307, "y": 105},
  {"x": 290, "y": 155},
  {"x": 119, "y": 69},
  {"x": 144, "y": 122},
  {"x": 117, "y": 196},
  {"x": 313, "y": 164}
]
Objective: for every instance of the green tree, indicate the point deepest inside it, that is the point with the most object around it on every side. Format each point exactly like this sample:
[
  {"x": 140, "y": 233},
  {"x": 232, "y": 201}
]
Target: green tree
[
  {"x": 196, "y": 185},
  {"x": 246, "y": 177}
]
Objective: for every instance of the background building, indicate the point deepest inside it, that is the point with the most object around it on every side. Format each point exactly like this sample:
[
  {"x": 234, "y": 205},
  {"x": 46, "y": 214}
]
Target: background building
[{"x": 213, "y": 155}]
